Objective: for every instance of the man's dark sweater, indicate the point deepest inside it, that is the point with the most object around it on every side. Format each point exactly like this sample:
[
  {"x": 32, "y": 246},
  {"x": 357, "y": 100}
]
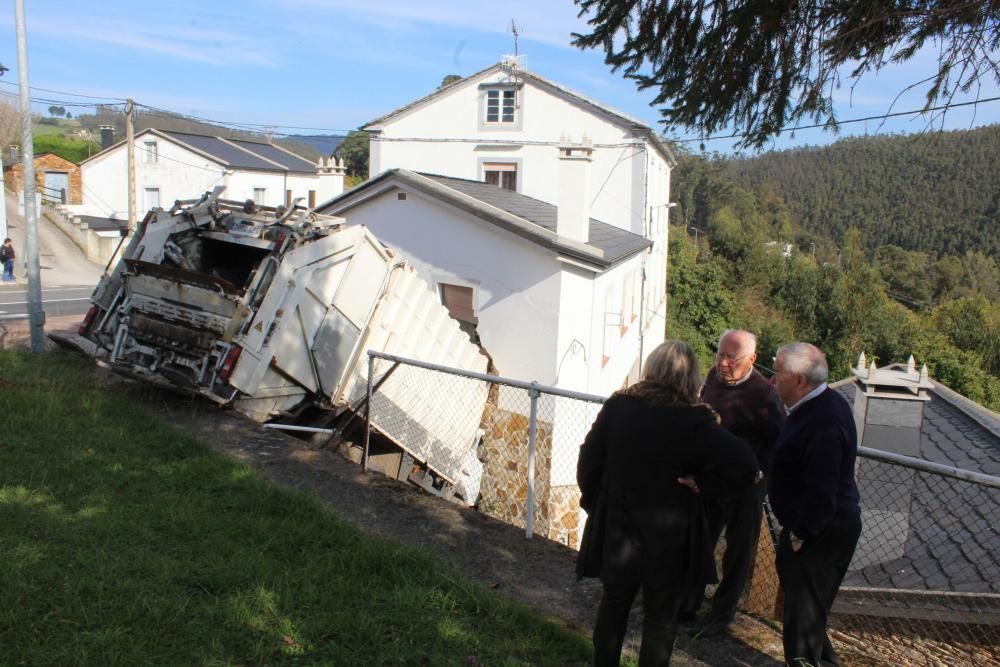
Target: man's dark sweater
[
  {"x": 750, "y": 410},
  {"x": 812, "y": 467}
]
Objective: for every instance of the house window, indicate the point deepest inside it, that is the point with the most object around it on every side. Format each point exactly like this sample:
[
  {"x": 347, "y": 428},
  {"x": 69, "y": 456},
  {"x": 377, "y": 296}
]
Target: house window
[
  {"x": 501, "y": 104},
  {"x": 260, "y": 196},
  {"x": 503, "y": 174},
  {"x": 152, "y": 198},
  {"x": 459, "y": 300},
  {"x": 151, "y": 153}
]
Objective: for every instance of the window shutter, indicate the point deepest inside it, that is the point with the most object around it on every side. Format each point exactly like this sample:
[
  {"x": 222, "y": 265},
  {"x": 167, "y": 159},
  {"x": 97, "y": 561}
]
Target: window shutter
[{"x": 458, "y": 300}]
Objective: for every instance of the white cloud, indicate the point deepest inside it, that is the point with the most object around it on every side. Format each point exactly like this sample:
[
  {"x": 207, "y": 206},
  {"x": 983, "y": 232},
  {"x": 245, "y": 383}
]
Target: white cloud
[
  {"x": 545, "y": 21},
  {"x": 192, "y": 44}
]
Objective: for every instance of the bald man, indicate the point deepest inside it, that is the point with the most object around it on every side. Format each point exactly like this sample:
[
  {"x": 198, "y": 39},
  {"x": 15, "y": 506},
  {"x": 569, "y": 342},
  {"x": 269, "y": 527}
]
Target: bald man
[
  {"x": 749, "y": 409},
  {"x": 815, "y": 498}
]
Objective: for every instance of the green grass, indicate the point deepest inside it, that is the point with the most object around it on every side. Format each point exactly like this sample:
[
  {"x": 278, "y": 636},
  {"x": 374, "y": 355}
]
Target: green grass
[{"x": 125, "y": 542}]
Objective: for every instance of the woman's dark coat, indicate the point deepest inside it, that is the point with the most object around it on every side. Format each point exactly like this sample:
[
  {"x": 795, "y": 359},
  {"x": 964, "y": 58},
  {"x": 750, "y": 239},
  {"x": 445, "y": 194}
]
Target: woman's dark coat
[{"x": 627, "y": 472}]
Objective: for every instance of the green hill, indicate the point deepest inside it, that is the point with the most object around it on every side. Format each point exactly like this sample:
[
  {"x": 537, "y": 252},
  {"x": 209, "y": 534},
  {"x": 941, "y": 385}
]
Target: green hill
[{"x": 937, "y": 193}]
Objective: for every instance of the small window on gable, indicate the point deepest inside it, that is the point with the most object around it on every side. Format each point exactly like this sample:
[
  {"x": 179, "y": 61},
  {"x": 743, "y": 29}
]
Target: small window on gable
[
  {"x": 151, "y": 152},
  {"x": 503, "y": 174},
  {"x": 501, "y": 105}
]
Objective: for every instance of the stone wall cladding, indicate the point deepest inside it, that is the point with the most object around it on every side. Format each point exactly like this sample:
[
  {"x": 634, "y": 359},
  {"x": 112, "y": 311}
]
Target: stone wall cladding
[
  {"x": 504, "y": 490},
  {"x": 14, "y": 176}
]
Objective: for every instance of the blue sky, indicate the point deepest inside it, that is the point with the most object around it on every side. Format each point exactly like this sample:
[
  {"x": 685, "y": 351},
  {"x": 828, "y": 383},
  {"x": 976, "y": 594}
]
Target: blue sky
[{"x": 335, "y": 64}]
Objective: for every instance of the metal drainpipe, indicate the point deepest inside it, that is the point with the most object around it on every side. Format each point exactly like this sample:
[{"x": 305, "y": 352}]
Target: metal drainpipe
[{"x": 529, "y": 510}]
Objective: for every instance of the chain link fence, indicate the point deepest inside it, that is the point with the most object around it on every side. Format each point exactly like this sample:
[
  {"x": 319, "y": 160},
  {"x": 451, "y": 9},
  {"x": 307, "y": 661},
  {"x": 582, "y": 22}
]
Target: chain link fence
[{"x": 924, "y": 585}]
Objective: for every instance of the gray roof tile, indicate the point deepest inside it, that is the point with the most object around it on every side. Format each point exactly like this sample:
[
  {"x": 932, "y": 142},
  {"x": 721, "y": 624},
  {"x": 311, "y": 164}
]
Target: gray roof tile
[
  {"x": 952, "y": 540},
  {"x": 614, "y": 242},
  {"x": 273, "y": 153},
  {"x": 224, "y": 152}
]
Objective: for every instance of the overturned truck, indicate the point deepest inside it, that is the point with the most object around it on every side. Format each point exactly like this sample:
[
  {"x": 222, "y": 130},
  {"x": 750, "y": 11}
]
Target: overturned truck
[{"x": 272, "y": 311}]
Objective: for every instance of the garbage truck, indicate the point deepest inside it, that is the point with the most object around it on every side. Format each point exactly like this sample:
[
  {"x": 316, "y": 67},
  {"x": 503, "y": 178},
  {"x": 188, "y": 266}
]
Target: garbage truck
[{"x": 272, "y": 310}]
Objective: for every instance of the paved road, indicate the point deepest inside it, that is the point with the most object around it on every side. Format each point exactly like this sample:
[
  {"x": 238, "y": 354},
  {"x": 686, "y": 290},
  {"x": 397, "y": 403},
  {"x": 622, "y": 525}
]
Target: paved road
[
  {"x": 68, "y": 277},
  {"x": 62, "y": 263},
  {"x": 56, "y": 302}
]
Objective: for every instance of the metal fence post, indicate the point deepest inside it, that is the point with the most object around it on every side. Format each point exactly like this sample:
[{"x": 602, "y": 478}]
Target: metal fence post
[
  {"x": 529, "y": 510},
  {"x": 368, "y": 412}
]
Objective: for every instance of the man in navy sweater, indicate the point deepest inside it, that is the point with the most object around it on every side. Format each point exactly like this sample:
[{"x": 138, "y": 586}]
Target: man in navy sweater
[{"x": 814, "y": 497}]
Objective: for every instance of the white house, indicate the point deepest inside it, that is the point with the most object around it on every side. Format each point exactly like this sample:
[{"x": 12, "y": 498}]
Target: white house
[
  {"x": 178, "y": 165},
  {"x": 511, "y": 128},
  {"x": 500, "y": 125}
]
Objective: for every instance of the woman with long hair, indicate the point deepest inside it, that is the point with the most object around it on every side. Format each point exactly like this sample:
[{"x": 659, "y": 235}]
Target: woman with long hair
[{"x": 653, "y": 449}]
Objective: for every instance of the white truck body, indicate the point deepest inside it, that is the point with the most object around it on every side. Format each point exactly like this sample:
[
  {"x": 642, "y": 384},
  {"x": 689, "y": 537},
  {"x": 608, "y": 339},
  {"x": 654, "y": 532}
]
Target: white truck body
[{"x": 273, "y": 312}]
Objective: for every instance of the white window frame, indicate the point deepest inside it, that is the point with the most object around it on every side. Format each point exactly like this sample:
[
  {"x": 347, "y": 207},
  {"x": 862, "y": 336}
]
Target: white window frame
[
  {"x": 507, "y": 100},
  {"x": 146, "y": 197},
  {"x": 260, "y": 196},
  {"x": 501, "y": 169},
  {"x": 151, "y": 152}
]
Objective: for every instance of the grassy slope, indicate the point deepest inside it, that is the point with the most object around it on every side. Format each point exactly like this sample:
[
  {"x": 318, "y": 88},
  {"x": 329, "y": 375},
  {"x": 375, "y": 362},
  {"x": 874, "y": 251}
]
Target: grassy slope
[{"x": 125, "y": 542}]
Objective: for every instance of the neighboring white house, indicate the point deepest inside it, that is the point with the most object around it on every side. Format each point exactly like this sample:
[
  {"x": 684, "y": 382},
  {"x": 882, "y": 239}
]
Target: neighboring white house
[{"x": 178, "y": 165}]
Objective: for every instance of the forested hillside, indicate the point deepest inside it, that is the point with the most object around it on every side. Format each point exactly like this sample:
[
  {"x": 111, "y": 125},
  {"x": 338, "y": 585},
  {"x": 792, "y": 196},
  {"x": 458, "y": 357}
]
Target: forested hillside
[
  {"x": 937, "y": 193},
  {"x": 744, "y": 255}
]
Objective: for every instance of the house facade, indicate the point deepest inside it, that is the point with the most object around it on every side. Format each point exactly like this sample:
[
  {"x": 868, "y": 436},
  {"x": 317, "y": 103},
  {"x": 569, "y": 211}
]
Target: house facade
[
  {"x": 505, "y": 126},
  {"x": 178, "y": 165},
  {"x": 499, "y": 125}
]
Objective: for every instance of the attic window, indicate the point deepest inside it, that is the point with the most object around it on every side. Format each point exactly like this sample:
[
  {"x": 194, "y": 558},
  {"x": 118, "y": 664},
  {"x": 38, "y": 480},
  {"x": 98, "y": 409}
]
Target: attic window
[
  {"x": 401, "y": 196},
  {"x": 501, "y": 104}
]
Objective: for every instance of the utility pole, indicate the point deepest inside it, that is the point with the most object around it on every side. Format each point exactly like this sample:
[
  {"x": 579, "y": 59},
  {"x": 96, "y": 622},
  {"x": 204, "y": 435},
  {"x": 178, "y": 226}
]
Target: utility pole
[
  {"x": 3, "y": 189},
  {"x": 36, "y": 316},
  {"x": 130, "y": 136}
]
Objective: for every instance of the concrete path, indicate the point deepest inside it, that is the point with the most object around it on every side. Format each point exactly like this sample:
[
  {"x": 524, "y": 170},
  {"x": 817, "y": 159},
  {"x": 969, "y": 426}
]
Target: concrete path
[{"x": 63, "y": 264}]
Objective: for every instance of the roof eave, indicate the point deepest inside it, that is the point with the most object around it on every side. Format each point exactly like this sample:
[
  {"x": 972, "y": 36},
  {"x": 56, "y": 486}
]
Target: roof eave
[{"x": 511, "y": 223}]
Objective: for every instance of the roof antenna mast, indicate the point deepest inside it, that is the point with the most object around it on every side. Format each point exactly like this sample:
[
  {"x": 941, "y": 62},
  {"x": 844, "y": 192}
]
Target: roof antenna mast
[{"x": 513, "y": 29}]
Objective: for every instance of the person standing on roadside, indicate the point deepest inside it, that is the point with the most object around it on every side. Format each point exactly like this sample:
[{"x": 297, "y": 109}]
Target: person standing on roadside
[
  {"x": 7, "y": 255},
  {"x": 749, "y": 408},
  {"x": 652, "y": 451},
  {"x": 815, "y": 498}
]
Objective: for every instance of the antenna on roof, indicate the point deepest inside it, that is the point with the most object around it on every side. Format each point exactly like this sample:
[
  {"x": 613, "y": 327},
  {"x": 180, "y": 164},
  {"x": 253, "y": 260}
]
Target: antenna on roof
[{"x": 512, "y": 64}]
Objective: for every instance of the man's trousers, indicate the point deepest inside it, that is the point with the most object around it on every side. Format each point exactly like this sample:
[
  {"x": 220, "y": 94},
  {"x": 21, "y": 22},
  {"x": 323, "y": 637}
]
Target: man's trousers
[{"x": 810, "y": 578}]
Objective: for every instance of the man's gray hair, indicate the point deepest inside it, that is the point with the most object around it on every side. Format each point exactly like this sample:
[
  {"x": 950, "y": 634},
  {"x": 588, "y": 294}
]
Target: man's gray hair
[
  {"x": 750, "y": 340},
  {"x": 806, "y": 360}
]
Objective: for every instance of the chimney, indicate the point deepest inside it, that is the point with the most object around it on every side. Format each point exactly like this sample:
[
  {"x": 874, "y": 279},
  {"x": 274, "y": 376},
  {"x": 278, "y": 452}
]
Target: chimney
[
  {"x": 107, "y": 136},
  {"x": 573, "y": 213},
  {"x": 888, "y": 413}
]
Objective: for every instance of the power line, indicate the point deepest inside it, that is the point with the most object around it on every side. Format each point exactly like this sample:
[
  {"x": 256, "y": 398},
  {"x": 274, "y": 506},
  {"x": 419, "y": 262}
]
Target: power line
[
  {"x": 950, "y": 105},
  {"x": 113, "y": 100},
  {"x": 257, "y": 127},
  {"x": 261, "y": 126}
]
